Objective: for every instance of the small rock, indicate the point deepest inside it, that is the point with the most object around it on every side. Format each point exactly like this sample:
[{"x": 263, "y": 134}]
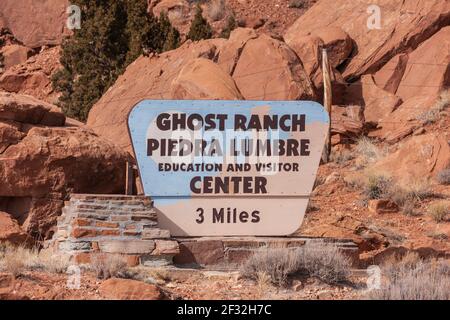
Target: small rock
[{"x": 382, "y": 206}]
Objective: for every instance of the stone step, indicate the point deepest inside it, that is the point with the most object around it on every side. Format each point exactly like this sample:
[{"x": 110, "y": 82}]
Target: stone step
[
  {"x": 101, "y": 197},
  {"x": 233, "y": 251}
]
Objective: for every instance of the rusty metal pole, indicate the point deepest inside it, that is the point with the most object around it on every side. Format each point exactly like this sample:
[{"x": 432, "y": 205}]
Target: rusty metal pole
[{"x": 327, "y": 102}]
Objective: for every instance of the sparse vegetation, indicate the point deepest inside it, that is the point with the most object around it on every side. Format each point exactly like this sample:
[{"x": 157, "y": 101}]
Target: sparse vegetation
[
  {"x": 411, "y": 278},
  {"x": 231, "y": 25},
  {"x": 434, "y": 113},
  {"x": 113, "y": 35},
  {"x": 443, "y": 177},
  {"x": 323, "y": 261},
  {"x": 378, "y": 186},
  {"x": 439, "y": 211},
  {"x": 368, "y": 152},
  {"x": 107, "y": 266},
  {"x": 18, "y": 259},
  {"x": 342, "y": 157},
  {"x": 299, "y": 4},
  {"x": 216, "y": 10},
  {"x": 200, "y": 28}
]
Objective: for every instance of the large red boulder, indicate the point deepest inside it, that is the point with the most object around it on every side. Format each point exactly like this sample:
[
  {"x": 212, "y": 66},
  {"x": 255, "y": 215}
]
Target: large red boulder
[
  {"x": 403, "y": 26},
  {"x": 42, "y": 162},
  {"x": 150, "y": 78},
  {"x": 195, "y": 81},
  {"x": 427, "y": 71},
  {"x": 126, "y": 289},
  {"x": 418, "y": 157},
  {"x": 210, "y": 69},
  {"x": 10, "y": 230},
  {"x": 268, "y": 69},
  {"x": 35, "y": 23},
  {"x": 33, "y": 77}
]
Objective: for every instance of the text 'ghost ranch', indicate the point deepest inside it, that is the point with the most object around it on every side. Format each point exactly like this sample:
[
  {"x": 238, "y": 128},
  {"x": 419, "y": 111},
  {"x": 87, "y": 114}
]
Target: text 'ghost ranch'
[{"x": 247, "y": 137}]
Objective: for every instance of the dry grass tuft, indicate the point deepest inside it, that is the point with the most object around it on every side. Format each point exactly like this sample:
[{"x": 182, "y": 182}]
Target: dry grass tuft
[
  {"x": 342, "y": 157},
  {"x": 439, "y": 211},
  {"x": 377, "y": 186},
  {"x": 53, "y": 263},
  {"x": 216, "y": 10},
  {"x": 108, "y": 266},
  {"x": 323, "y": 261},
  {"x": 368, "y": 152},
  {"x": 414, "y": 279},
  {"x": 434, "y": 113},
  {"x": 17, "y": 260}
]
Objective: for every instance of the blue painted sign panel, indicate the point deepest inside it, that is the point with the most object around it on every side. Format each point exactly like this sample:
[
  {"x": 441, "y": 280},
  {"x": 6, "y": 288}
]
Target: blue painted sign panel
[{"x": 228, "y": 167}]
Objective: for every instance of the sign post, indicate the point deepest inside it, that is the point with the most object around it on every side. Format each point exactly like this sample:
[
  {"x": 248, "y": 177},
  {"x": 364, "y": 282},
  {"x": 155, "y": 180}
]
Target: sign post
[{"x": 228, "y": 168}]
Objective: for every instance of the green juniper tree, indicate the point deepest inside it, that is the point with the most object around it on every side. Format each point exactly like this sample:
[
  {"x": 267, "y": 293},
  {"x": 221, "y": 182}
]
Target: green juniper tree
[
  {"x": 231, "y": 25},
  {"x": 200, "y": 28},
  {"x": 112, "y": 35}
]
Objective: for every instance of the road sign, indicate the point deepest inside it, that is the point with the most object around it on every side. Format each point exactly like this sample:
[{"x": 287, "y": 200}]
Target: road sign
[{"x": 222, "y": 168}]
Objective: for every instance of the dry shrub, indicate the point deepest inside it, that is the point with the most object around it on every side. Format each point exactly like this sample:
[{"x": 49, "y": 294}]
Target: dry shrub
[
  {"x": 434, "y": 113},
  {"x": 443, "y": 177},
  {"x": 277, "y": 263},
  {"x": 377, "y": 186},
  {"x": 439, "y": 211},
  {"x": 299, "y": 4},
  {"x": 53, "y": 263},
  {"x": 323, "y": 261},
  {"x": 419, "y": 190},
  {"x": 108, "y": 266},
  {"x": 414, "y": 279},
  {"x": 368, "y": 151},
  {"x": 17, "y": 260},
  {"x": 216, "y": 10},
  {"x": 342, "y": 157},
  {"x": 263, "y": 282}
]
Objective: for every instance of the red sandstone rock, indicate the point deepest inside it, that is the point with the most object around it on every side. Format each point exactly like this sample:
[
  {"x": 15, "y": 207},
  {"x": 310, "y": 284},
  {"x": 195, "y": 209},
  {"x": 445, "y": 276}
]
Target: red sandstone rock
[
  {"x": 203, "y": 79},
  {"x": 35, "y": 23},
  {"x": 125, "y": 289},
  {"x": 337, "y": 42},
  {"x": 405, "y": 119},
  {"x": 230, "y": 53},
  {"x": 40, "y": 166},
  {"x": 378, "y": 102},
  {"x": 427, "y": 71},
  {"x": 404, "y": 25},
  {"x": 33, "y": 77},
  {"x": 391, "y": 74},
  {"x": 269, "y": 70},
  {"x": 14, "y": 54},
  {"x": 382, "y": 206},
  {"x": 10, "y": 230},
  {"x": 418, "y": 157},
  {"x": 26, "y": 109}
]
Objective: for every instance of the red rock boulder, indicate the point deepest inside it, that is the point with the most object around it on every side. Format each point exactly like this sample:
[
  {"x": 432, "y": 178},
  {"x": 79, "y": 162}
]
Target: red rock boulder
[
  {"x": 35, "y": 23},
  {"x": 403, "y": 25},
  {"x": 269, "y": 70},
  {"x": 42, "y": 162},
  {"x": 125, "y": 289}
]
